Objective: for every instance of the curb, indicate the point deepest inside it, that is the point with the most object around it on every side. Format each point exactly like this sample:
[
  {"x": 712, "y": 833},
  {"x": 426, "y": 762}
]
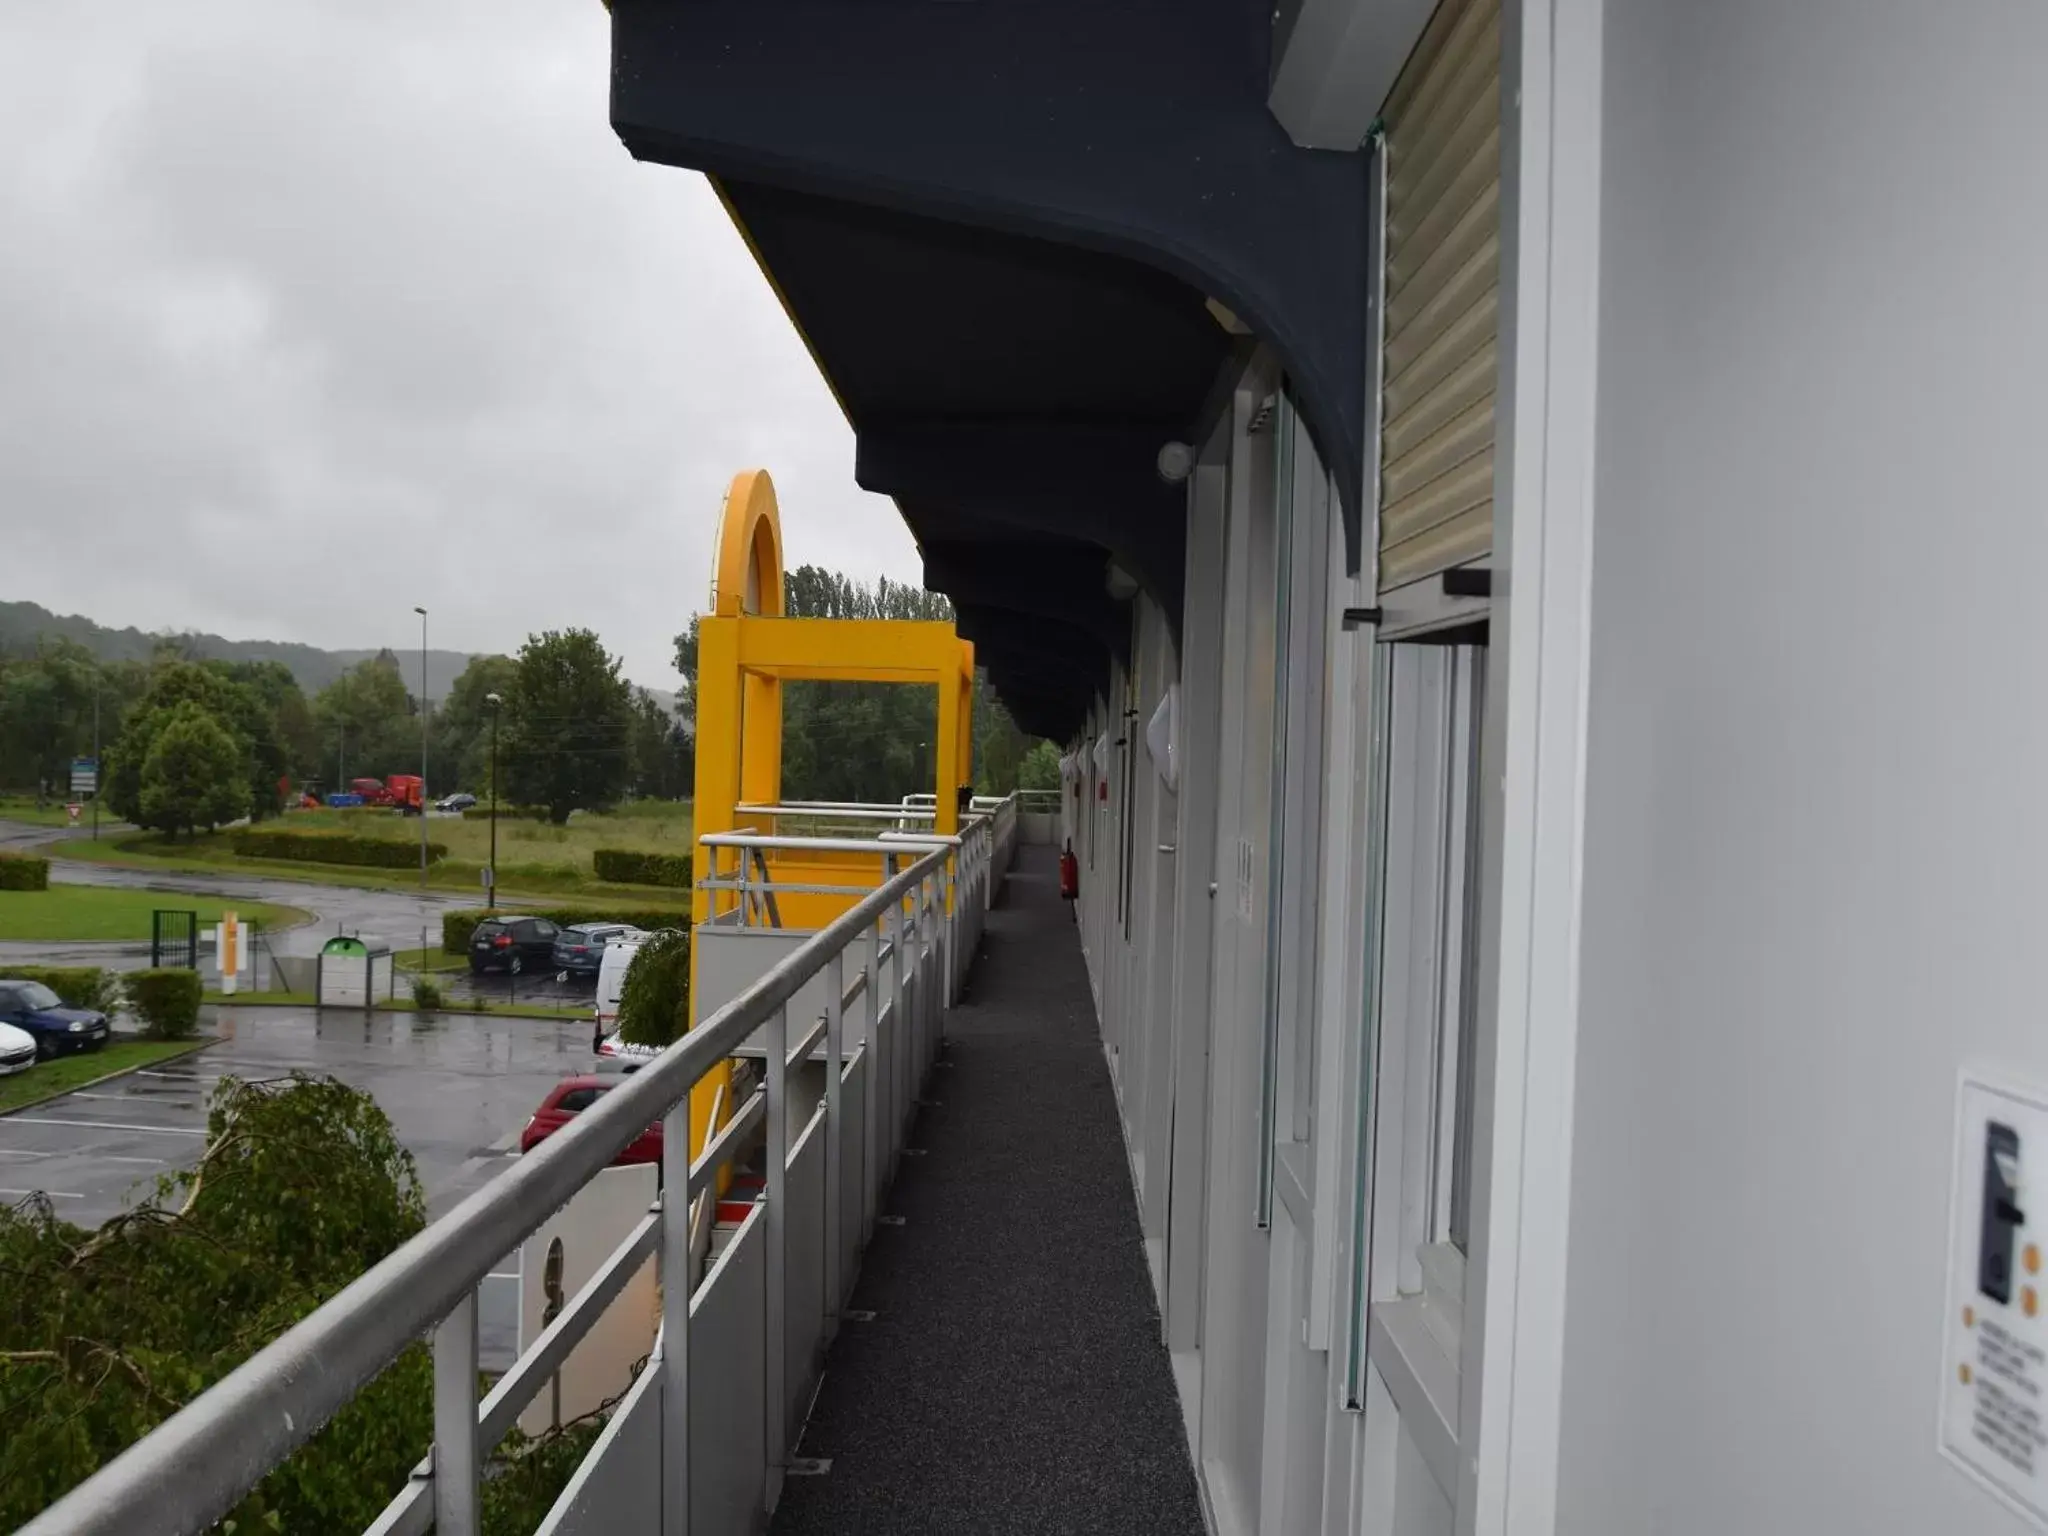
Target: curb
[{"x": 192, "y": 1048}]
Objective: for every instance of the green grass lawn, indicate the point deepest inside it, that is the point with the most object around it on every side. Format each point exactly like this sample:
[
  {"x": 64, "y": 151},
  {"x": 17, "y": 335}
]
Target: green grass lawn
[
  {"x": 47, "y": 1079},
  {"x": 23, "y": 809},
  {"x": 204, "y": 855},
  {"x": 532, "y": 853},
  {"x": 86, "y": 912}
]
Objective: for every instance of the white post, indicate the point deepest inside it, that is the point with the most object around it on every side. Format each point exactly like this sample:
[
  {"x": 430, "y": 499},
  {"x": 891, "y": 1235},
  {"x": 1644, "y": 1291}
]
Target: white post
[
  {"x": 777, "y": 1395},
  {"x": 675, "y": 1318},
  {"x": 871, "y": 1100},
  {"x": 456, "y": 1459},
  {"x": 835, "y": 1006}
]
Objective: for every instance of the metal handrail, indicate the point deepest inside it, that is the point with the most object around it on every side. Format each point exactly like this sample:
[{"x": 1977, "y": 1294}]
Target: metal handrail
[
  {"x": 193, "y": 1468},
  {"x": 826, "y": 844},
  {"x": 839, "y": 812}
]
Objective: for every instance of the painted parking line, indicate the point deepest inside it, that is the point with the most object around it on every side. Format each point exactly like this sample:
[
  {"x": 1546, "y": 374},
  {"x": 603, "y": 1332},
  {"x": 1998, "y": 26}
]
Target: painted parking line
[
  {"x": 105, "y": 1125},
  {"x": 123, "y": 1098},
  {"x": 54, "y": 1194},
  {"x": 151, "y": 1162},
  {"x": 23, "y": 1152}
]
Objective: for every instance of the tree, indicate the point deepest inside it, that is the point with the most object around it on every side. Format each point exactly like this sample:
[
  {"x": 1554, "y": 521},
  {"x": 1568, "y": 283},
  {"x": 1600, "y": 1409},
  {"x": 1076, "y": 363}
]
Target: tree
[
  {"x": 301, "y": 1187},
  {"x": 1040, "y": 767},
  {"x": 654, "y": 1000},
  {"x": 171, "y": 685},
  {"x": 462, "y": 730},
  {"x": 196, "y": 774},
  {"x": 664, "y": 756},
  {"x": 569, "y": 725},
  {"x": 366, "y": 724},
  {"x": 264, "y": 697}
]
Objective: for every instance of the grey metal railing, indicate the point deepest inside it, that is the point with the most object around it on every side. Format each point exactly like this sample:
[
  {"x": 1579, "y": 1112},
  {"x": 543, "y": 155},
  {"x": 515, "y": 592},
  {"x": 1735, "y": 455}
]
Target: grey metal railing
[{"x": 910, "y": 945}]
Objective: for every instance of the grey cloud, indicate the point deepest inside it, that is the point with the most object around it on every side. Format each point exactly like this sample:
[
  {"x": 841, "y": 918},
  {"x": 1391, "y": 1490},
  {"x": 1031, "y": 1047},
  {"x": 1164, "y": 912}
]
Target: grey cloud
[{"x": 310, "y": 313}]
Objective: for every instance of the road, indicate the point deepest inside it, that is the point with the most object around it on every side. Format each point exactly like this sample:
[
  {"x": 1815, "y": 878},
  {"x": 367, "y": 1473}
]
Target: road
[
  {"x": 457, "y": 1091},
  {"x": 402, "y": 919}
]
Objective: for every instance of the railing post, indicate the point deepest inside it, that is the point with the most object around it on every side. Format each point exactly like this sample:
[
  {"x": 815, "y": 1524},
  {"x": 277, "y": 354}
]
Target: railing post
[
  {"x": 777, "y": 1233},
  {"x": 456, "y": 1462},
  {"x": 675, "y": 1318},
  {"x": 871, "y": 1099},
  {"x": 899, "y": 1100},
  {"x": 835, "y": 1238}
]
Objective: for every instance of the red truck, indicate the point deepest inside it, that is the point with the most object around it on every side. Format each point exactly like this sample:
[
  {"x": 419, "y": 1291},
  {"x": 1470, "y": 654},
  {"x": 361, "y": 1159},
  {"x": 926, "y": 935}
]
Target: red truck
[{"x": 407, "y": 791}]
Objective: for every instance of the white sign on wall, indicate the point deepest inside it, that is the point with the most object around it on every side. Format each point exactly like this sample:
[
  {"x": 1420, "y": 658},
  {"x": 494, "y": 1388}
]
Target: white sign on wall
[{"x": 1994, "y": 1382}]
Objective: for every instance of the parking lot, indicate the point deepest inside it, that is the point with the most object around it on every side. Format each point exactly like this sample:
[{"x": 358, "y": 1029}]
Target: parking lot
[{"x": 457, "y": 1091}]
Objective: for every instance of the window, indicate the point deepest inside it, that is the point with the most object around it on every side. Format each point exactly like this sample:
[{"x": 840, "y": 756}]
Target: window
[{"x": 578, "y": 1099}]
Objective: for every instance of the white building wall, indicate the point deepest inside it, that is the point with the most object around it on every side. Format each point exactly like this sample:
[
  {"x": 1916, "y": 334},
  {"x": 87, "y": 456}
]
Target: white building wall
[{"x": 1815, "y": 818}]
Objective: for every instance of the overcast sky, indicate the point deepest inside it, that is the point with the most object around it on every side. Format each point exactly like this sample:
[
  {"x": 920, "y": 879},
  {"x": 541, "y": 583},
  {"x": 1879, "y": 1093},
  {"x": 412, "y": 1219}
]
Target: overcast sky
[{"x": 312, "y": 312}]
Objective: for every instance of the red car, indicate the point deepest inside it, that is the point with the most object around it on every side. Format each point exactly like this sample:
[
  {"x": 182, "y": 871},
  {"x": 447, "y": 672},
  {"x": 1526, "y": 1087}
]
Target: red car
[{"x": 570, "y": 1097}]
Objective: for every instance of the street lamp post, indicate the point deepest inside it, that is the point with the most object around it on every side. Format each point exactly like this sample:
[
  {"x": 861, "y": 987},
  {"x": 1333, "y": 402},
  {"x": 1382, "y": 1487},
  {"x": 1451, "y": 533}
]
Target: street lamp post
[
  {"x": 491, "y": 891},
  {"x": 423, "y": 746}
]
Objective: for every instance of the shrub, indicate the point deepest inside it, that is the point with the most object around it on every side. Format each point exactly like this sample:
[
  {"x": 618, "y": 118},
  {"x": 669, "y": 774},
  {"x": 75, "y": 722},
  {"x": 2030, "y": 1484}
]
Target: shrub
[
  {"x": 426, "y": 994},
  {"x": 21, "y": 873},
  {"x": 632, "y": 866},
  {"x": 77, "y": 987},
  {"x": 353, "y": 848},
  {"x": 167, "y": 1000},
  {"x": 655, "y": 1001},
  {"x": 457, "y": 926},
  {"x": 505, "y": 813}
]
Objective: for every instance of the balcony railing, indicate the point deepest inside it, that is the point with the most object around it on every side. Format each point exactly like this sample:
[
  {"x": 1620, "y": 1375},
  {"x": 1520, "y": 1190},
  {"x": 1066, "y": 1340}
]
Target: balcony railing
[{"x": 701, "y": 1440}]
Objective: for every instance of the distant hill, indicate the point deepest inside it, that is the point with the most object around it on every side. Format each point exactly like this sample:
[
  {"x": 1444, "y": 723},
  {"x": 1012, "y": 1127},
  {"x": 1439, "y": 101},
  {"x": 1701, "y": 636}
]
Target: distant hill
[{"x": 21, "y": 624}]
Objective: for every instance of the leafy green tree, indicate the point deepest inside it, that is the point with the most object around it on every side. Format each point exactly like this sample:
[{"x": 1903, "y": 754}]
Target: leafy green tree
[
  {"x": 664, "y": 756},
  {"x": 654, "y": 1002},
  {"x": 366, "y": 723},
  {"x": 1040, "y": 767},
  {"x": 461, "y": 756},
  {"x": 196, "y": 774},
  {"x": 172, "y": 684},
  {"x": 569, "y": 721},
  {"x": 301, "y": 1187},
  {"x": 263, "y": 696},
  {"x": 46, "y": 702}
]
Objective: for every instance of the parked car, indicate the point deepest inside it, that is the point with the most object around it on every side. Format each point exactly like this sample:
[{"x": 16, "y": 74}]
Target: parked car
[
  {"x": 460, "y": 802},
  {"x": 580, "y": 947},
  {"x": 56, "y": 1030},
  {"x": 512, "y": 944},
  {"x": 570, "y": 1097},
  {"x": 17, "y": 1050}
]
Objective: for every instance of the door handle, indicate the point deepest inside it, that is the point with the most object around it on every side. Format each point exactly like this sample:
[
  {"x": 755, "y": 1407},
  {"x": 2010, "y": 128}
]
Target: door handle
[{"x": 1168, "y": 848}]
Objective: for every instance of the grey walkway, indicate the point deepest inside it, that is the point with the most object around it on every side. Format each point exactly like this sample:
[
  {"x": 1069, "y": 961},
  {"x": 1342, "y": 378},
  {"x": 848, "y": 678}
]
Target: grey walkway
[{"x": 1013, "y": 1378}]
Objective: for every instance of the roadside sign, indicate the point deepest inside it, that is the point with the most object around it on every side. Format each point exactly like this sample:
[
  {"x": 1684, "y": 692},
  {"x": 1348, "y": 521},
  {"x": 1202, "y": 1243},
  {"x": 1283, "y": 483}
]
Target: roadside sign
[
  {"x": 490, "y": 878},
  {"x": 74, "y": 808},
  {"x": 85, "y": 776}
]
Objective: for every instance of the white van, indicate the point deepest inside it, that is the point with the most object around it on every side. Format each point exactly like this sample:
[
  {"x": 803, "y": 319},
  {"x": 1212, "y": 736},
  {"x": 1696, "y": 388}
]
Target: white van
[{"x": 611, "y": 980}]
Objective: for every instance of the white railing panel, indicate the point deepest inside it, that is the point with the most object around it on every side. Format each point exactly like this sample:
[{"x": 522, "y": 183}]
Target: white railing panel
[
  {"x": 728, "y": 1416},
  {"x": 618, "y": 1486},
  {"x": 803, "y": 1297},
  {"x": 853, "y": 1169}
]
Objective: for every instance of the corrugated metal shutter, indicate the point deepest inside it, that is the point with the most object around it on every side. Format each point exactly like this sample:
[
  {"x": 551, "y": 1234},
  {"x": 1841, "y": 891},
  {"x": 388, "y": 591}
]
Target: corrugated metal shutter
[{"x": 1442, "y": 127}]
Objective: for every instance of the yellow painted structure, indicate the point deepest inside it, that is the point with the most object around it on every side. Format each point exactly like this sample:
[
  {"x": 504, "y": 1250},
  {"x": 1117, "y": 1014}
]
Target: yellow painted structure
[{"x": 746, "y": 650}]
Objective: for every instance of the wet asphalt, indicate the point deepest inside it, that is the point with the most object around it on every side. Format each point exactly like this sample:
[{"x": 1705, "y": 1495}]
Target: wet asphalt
[{"x": 458, "y": 1090}]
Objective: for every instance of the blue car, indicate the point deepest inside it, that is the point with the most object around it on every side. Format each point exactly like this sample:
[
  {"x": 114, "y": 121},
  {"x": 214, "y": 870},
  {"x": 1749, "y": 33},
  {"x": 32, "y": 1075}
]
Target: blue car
[{"x": 56, "y": 1030}]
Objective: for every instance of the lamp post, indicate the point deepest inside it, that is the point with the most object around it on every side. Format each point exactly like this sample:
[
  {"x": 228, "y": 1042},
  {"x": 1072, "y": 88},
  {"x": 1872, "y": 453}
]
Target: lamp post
[
  {"x": 423, "y": 746},
  {"x": 491, "y": 891}
]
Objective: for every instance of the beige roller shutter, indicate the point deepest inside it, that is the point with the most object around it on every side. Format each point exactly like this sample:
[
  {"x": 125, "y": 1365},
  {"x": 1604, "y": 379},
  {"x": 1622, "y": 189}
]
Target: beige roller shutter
[{"x": 1442, "y": 138}]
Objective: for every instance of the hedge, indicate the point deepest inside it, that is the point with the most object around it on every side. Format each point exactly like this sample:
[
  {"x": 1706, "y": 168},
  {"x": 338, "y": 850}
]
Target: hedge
[
  {"x": 18, "y": 872},
  {"x": 334, "y": 848},
  {"x": 630, "y": 866},
  {"x": 505, "y": 813},
  {"x": 75, "y": 986},
  {"x": 456, "y": 927},
  {"x": 167, "y": 1000}
]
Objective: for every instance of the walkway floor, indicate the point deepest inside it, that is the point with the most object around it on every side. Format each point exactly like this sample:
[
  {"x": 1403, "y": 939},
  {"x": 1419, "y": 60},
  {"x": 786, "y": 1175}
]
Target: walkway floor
[{"x": 1013, "y": 1378}]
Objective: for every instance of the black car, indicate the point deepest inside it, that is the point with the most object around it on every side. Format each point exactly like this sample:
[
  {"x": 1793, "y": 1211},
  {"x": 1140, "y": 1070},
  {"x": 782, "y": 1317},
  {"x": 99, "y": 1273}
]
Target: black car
[
  {"x": 58, "y": 1031},
  {"x": 579, "y": 948},
  {"x": 512, "y": 944},
  {"x": 461, "y": 802}
]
